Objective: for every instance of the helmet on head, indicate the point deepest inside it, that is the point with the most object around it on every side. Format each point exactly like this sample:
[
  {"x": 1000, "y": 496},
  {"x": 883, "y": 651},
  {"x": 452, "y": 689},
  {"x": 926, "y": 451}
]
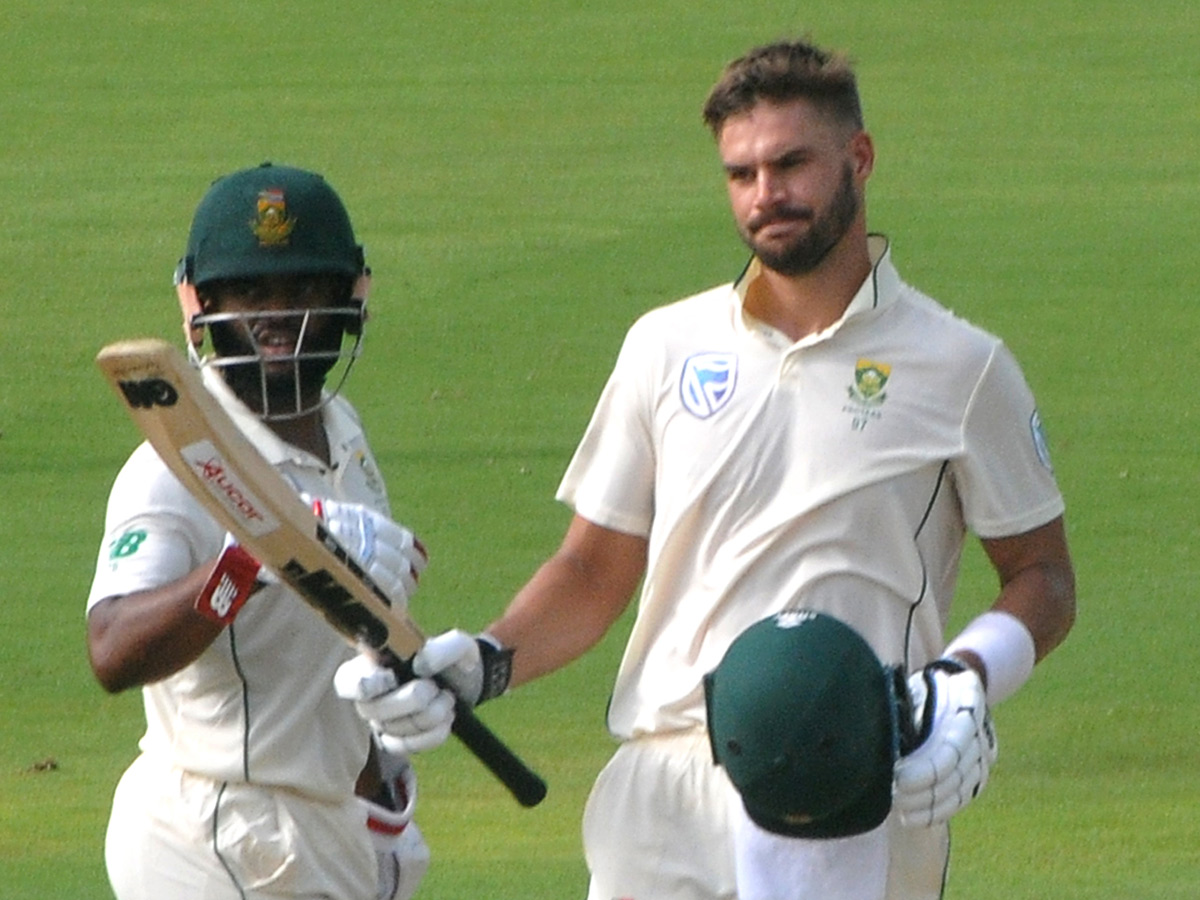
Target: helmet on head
[
  {"x": 804, "y": 719},
  {"x": 270, "y": 220},
  {"x": 266, "y": 221}
]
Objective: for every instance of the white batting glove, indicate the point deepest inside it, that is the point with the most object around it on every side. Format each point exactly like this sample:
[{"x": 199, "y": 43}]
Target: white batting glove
[
  {"x": 956, "y": 749},
  {"x": 418, "y": 715},
  {"x": 406, "y": 718},
  {"x": 474, "y": 667},
  {"x": 387, "y": 552},
  {"x": 400, "y": 850}
]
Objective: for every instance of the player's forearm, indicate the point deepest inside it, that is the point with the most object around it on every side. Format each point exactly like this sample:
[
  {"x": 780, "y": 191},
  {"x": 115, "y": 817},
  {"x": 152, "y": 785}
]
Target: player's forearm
[
  {"x": 551, "y": 622},
  {"x": 1037, "y": 583},
  {"x": 1043, "y": 598},
  {"x": 572, "y": 600},
  {"x": 143, "y": 637}
]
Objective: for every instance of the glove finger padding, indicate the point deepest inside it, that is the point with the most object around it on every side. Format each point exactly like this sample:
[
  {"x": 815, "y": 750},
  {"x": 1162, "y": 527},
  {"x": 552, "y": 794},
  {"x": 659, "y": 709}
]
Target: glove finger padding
[
  {"x": 406, "y": 718},
  {"x": 387, "y": 552},
  {"x": 363, "y": 678},
  {"x": 475, "y": 667},
  {"x": 415, "y": 717},
  {"x": 951, "y": 764},
  {"x": 454, "y": 656}
]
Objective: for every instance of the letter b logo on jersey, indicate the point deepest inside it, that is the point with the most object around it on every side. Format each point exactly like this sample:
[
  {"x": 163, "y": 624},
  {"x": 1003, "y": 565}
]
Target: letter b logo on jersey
[{"x": 707, "y": 382}]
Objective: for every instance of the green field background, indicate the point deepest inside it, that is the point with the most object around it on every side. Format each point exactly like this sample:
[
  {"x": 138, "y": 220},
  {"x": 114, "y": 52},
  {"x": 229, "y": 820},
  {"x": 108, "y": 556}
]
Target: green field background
[{"x": 527, "y": 178}]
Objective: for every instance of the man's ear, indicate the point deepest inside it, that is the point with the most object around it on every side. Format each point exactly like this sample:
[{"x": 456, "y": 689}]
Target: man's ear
[{"x": 862, "y": 151}]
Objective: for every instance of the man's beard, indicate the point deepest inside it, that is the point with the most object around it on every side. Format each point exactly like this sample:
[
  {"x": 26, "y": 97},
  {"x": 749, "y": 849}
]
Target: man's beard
[
  {"x": 805, "y": 252},
  {"x": 280, "y": 387}
]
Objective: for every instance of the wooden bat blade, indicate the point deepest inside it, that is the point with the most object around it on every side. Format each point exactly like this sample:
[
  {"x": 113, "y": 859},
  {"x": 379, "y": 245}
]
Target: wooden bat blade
[{"x": 224, "y": 471}]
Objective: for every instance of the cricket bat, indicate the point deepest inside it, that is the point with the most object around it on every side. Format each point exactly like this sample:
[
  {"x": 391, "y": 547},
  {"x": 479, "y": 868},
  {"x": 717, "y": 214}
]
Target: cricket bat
[{"x": 222, "y": 469}]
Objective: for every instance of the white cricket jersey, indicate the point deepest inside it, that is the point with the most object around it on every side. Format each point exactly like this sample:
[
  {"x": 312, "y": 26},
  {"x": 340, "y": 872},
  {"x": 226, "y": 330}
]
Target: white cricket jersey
[
  {"x": 837, "y": 473},
  {"x": 258, "y": 705}
]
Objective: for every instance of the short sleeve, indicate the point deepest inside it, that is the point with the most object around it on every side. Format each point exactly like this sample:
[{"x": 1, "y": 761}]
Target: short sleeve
[
  {"x": 154, "y": 532},
  {"x": 610, "y": 480},
  {"x": 1004, "y": 475}
]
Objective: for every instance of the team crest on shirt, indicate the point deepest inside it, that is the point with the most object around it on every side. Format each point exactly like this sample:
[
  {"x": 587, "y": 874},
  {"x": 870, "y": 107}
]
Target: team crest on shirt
[
  {"x": 707, "y": 383},
  {"x": 867, "y": 394}
]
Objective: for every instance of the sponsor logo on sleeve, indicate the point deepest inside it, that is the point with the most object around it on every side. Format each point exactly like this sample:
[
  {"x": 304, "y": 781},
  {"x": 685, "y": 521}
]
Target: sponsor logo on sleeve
[
  {"x": 125, "y": 546},
  {"x": 1040, "y": 444}
]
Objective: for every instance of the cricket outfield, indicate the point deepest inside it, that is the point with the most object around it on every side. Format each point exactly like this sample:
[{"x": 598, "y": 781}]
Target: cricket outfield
[{"x": 527, "y": 178}]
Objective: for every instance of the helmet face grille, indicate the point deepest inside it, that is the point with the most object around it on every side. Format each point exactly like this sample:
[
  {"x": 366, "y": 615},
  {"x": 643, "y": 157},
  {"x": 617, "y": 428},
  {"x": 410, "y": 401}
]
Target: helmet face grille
[{"x": 285, "y": 383}]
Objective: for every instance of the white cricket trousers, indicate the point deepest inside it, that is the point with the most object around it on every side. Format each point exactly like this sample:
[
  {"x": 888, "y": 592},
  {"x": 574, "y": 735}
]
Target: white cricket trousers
[
  {"x": 663, "y": 822},
  {"x": 174, "y": 835}
]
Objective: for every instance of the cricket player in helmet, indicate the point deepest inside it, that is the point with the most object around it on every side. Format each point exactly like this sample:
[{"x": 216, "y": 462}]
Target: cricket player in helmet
[{"x": 255, "y": 779}]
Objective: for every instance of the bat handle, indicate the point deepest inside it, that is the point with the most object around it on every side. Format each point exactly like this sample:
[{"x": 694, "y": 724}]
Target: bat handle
[{"x": 525, "y": 784}]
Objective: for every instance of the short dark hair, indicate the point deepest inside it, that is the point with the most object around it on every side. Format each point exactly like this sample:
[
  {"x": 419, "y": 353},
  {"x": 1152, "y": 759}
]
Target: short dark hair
[{"x": 784, "y": 71}]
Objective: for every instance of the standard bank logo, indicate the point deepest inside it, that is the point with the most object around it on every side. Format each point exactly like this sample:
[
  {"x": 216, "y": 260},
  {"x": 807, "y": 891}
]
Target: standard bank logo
[{"x": 707, "y": 382}]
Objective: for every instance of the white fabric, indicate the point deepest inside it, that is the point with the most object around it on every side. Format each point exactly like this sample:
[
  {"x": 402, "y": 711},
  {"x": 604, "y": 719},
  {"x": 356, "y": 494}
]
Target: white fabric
[
  {"x": 786, "y": 482},
  {"x": 1006, "y": 647},
  {"x": 658, "y": 821},
  {"x": 774, "y": 867},
  {"x": 173, "y": 834},
  {"x": 661, "y": 823}
]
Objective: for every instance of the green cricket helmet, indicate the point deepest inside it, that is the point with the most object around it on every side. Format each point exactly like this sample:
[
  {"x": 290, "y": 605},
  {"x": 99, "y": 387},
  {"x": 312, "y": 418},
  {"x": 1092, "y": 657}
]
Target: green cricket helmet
[
  {"x": 804, "y": 719},
  {"x": 270, "y": 220}
]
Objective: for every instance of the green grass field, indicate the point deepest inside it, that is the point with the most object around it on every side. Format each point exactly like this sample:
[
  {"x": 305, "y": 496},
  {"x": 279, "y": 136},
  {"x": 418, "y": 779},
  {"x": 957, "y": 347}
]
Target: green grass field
[{"x": 527, "y": 178}]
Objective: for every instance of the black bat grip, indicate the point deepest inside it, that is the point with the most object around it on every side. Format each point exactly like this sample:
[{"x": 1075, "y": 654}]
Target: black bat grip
[{"x": 525, "y": 784}]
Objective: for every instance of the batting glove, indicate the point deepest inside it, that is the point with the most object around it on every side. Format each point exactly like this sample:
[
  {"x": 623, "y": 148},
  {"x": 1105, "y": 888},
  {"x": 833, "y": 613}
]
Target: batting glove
[
  {"x": 400, "y": 850},
  {"x": 955, "y": 745},
  {"x": 389, "y": 554},
  {"x": 417, "y": 715},
  {"x": 235, "y": 576}
]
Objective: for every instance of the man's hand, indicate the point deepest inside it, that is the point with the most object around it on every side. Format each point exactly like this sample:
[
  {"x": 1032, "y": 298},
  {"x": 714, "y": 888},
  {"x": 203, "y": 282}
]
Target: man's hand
[
  {"x": 390, "y": 554},
  {"x": 418, "y": 714},
  {"x": 955, "y": 744}
]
